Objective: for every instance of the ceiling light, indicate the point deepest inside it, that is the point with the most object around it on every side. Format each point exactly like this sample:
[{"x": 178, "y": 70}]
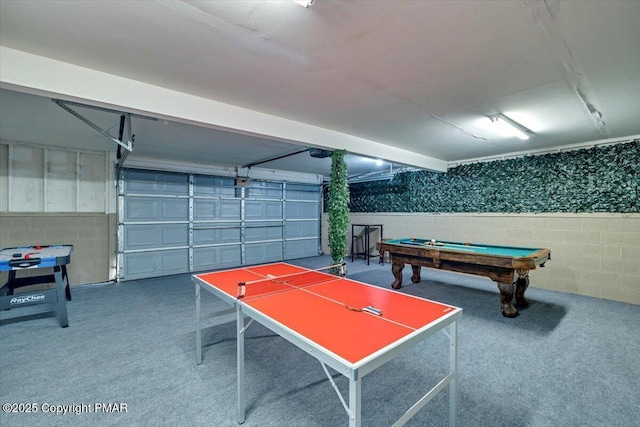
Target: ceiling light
[
  {"x": 304, "y": 3},
  {"x": 507, "y": 127},
  {"x": 378, "y": 162}
]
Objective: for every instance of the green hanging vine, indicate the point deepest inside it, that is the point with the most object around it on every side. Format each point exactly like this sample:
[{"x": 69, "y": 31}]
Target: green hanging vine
[{"x": 338, "y": 207}]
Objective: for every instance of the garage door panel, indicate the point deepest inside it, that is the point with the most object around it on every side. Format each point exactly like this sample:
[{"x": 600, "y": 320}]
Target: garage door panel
[
  {"x": 151, "y": 236},
  {"x": 175, "y": 261},
  {"x": 302, "y": 210},
  {"x": 148, "y": 209},
  {"x": 303, "y": 192},
  {"x": 257, "y": 233},
  {"x": 213, "y": 235},
  {"x": 296, "y": 229},
  {"x": 213, "y": 186},
  {"x": 216, "y": 257},
  {"x": 264, "y": 190},
  {"x": 301, "y": 248},
  {"x": 155, "y": 263},
  {"x": 160, "y": 183},
  {"x": 210, "y": 209},
  {"x": 230, "y": 209},
  {"x": 138, "y": 265},
  {"x": 261, "y": 209},
  {"x": 258, "y": 253}
]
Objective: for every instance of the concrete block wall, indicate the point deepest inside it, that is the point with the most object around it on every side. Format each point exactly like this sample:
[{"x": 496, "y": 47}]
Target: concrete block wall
[
  {"x": 596, "y": 255},
  {"x": 92, "y": 235}
]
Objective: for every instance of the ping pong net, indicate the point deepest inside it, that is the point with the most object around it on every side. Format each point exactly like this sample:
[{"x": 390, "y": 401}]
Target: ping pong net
[{"x": 274, "y": 284}]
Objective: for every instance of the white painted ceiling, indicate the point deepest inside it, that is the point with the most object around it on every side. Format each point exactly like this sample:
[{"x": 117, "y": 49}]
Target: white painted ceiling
[{"x": 420, "y": 76}]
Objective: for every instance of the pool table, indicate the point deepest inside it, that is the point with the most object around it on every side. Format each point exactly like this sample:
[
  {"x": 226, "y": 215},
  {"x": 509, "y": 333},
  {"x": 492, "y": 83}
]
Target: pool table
[{"x": 499, "y": 263}]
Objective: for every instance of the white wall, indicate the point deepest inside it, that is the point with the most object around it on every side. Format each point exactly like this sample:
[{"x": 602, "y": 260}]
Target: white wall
[
  {"x": 51, "y": 179},
  {"x": 591, "y": 254}
]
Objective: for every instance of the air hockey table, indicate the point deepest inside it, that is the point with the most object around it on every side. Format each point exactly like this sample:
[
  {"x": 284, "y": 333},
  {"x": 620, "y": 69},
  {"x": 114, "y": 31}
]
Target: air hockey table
[{"x": 42, "y": 258}]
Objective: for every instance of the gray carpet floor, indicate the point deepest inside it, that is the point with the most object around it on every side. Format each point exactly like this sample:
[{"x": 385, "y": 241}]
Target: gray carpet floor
[{"x": 567, "y": 360}]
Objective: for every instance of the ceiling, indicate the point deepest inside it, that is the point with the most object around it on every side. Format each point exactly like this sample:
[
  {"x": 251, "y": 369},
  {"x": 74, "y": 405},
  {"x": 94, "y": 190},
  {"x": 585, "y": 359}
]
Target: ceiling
[{"x": 410, "y": 82}]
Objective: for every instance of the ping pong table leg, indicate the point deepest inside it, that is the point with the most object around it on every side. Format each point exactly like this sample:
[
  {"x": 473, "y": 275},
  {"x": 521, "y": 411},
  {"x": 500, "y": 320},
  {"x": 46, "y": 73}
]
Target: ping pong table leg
[
  {"x": 198, "y": 328},
  {"x": 355, "y": 399},
  {"x": 453, "y": 368},
  {"x": 240, "y": 348},
  {"x": 62, "y": 300}
]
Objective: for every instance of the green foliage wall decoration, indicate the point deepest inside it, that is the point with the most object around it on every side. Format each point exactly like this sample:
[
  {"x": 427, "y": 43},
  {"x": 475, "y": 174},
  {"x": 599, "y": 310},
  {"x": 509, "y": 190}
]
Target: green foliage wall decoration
[
  {"x": 338, "y": 207},
  {"x": 598, "y": 179}
]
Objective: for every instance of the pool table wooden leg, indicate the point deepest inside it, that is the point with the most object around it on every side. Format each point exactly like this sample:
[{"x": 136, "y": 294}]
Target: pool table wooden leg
[
  {"x": 521, "y": 286},
  {"x": 416, "y": 274},
  {"x": 396, "y": 269},
  {"x": 506, "y": 296}
]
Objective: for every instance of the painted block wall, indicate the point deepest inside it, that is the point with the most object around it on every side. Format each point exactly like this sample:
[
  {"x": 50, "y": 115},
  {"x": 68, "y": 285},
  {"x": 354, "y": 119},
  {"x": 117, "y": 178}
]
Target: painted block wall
[
  {"x": 92, "y": 237},
  {"x": 595, "y": 255}
]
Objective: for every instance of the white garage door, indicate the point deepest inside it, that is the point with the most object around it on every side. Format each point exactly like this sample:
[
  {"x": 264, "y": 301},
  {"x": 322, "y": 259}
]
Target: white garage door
[{"x": 171, "y": 223}]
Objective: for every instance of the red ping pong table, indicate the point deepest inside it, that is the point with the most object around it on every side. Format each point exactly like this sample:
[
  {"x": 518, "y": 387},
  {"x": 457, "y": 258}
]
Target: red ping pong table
[{"x": 325, "y": 319}]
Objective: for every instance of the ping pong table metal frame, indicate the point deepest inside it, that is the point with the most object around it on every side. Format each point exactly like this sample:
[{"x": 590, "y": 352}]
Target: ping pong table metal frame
[{"x": 354, "y": 372}]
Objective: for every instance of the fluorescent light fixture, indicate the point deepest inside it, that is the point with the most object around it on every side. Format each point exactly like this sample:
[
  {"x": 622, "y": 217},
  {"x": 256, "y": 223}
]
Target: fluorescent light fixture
[
  {"x": 378, "y": 162},
  {"x": 507, "y": 127},
  {"x": 304, "y": 3}
]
